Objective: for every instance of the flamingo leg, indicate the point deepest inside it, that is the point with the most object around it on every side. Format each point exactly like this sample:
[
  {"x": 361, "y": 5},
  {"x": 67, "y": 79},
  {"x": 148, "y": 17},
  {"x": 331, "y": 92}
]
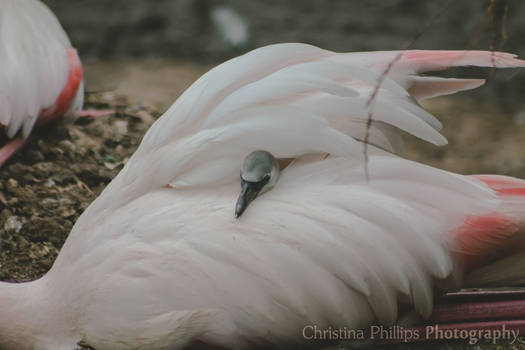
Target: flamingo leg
[
  {"x": 482, "y": 311},
  {"x": 14, "y": 145},
  {"x": 95, "y": 113},
  {"x": 11, "y": 148}
]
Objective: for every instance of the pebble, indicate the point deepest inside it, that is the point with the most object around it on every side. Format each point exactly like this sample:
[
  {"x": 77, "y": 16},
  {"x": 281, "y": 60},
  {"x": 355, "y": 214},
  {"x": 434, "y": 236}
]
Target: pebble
[
  {"x": 49, "y": 203},
  {"x": 146, "y": 117},
  {"x": 12, "y": 183},
  {"x": 66, "y": 212},
  {"x": 13, "y": 224},
  {"x": 108, "y": 96},
  {"x": 66, "y": 201},
  {"x": 120, "y": 127},
  {"x": 110, "y": 166},
  {"x": 50, "y": 183},
  {"x": 68, "y": 145}
]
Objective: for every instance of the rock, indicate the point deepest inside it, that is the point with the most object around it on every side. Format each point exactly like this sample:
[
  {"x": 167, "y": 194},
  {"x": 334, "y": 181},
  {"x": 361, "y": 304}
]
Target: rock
[
  {"x": 11, "y": 184},
  {"x": 120, "y": 129},
  {"x": 68, "y": 146},
  {"x": 5, "y": 214},
  {"x": 49, "y": 203},
  {"x": 50, "y": 183},
  {"x": 13, "y": 224}
]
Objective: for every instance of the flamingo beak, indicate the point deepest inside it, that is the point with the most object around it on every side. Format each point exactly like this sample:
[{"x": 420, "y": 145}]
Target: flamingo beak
[{"x": 249, "y": 192}]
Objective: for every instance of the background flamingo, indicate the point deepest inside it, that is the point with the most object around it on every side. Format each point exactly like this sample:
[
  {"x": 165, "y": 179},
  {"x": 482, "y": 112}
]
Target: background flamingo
[{"x": 41, "y": 75}]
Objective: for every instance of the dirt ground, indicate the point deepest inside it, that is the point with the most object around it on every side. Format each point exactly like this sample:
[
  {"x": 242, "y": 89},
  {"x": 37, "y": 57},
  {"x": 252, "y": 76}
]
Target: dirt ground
[{"x": 62, "y": 168}]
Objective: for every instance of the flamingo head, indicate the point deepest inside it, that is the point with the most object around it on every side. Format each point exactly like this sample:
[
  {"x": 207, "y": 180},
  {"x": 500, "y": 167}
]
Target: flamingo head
[{"x": 259, "y": 173}]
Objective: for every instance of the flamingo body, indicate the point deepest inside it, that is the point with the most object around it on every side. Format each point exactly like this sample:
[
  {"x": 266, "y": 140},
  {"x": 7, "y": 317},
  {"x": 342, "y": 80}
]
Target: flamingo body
[
  {"x": 158, "y": 260},
  {"x": 66, "y": 103}
]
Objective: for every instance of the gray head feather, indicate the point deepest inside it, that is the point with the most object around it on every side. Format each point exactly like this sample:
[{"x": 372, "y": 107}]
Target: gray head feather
[{"x": 259, "y": 173}]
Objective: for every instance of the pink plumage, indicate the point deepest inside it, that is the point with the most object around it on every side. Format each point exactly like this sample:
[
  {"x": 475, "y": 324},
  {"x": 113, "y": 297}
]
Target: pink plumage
[{"x": 486, "y": 238}]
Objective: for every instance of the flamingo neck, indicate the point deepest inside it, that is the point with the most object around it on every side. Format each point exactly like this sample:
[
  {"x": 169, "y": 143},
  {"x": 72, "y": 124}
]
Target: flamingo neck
[{"x": 27, "y": 317}]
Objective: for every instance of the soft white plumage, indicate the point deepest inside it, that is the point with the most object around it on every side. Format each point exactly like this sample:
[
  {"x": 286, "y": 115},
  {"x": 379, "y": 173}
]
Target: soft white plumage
[
  {"x": 158, "y": 260},
  {"x": 40, "y": 74}
]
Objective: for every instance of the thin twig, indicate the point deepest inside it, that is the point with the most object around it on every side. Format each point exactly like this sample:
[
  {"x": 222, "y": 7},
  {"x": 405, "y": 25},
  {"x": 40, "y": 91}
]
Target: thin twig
[
  {"x": 505, "y": 25},
  {"x": 369, "y": 102},
  {"x": 490, "y": 12},
  {"x": 382, "y": 77},
  {"x": 81, "y": 184},
  {"x": 497, "y": 11}
]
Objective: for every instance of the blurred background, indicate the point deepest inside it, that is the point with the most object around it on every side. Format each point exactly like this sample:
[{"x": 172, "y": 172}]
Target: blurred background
[
  {"x": 165, "y": 44},
  {"x": 150, "y": 51},
  {"x": 193, "y": 28}
]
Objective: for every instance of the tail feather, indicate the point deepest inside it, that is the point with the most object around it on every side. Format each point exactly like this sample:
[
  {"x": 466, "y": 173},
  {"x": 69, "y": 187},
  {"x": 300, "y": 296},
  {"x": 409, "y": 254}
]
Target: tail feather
[
  {"x": 493, "y": 245},
  {"x": 512, "y": 191},
  {"x": 420, "y": 61},
  {"x": 428, "y": 87},
  {"x": 427, "y": 60},
  {"x": 404, "y": 67}
]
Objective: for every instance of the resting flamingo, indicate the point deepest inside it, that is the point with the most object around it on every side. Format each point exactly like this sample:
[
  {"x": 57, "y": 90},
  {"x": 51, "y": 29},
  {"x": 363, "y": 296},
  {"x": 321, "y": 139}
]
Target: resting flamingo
[
  {"x": 160, "y": 261},
  {"x": 40, "y": 74}
]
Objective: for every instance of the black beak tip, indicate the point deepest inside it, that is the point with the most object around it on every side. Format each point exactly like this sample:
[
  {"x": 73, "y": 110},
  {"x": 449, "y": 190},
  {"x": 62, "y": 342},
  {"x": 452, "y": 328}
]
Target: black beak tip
[
  {"x": 239, "y": 209},
  {"x": 247, "y": 195}
]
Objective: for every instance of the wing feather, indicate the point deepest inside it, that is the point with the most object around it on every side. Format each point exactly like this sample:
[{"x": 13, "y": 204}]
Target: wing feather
[{"x": 271, "y": 96}]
